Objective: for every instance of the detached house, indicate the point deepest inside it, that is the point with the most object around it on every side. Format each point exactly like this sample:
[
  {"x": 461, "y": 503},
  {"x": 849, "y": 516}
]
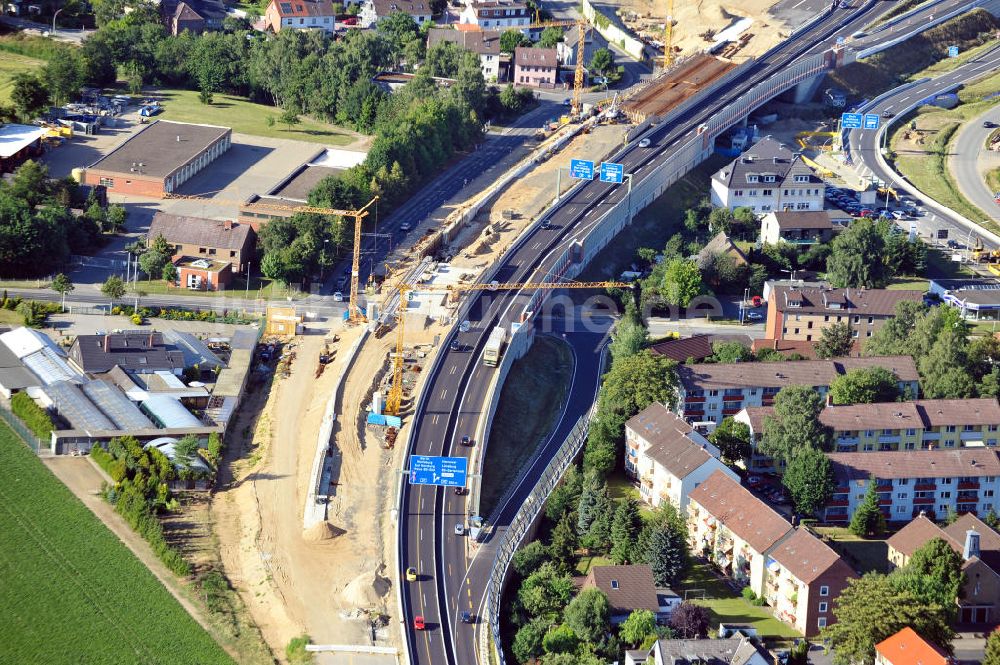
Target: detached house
[
  {"x": 373, "y": 11},
  {"x": 628, "y": 588},
  {"x": 908, "y": 648},
  {"x": 768, "y": 177},
  {"x": 806, "y": 227},
  {"x": 667, "y": 457},
  {"x": 210, "y": 239},
  {"x": 496, "y": 14},
  {"x": 300, "y": 15},
  {"x": 485, "y": 44},
  {"x": 736, "y": 650},
  {"x": 536, "y": 67}
]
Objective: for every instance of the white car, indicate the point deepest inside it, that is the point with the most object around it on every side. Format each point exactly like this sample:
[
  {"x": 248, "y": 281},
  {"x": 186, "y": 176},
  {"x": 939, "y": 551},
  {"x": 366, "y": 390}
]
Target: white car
[
  {"x": 338, "y": 296},
  {"x": 464, "y": 326},
  {"x": 459, "y": 530},
  {"x": 644, "y": 143}
]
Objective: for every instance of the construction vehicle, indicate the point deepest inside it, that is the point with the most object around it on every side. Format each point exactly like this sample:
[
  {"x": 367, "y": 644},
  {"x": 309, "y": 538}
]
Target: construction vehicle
[
  {"x": 982, "y": 255},
  {"x": 355, "y": 315},
  {"x": 394, "y": 399}
]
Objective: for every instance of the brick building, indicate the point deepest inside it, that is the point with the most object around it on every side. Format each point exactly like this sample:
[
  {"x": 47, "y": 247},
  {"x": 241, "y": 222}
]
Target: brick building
[{"x": 206, "y": 238}]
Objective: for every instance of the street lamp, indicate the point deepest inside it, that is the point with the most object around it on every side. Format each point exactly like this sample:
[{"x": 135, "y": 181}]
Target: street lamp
[
  {"x": 54, "y": 19},
  {"x": 322, "y": 262}
]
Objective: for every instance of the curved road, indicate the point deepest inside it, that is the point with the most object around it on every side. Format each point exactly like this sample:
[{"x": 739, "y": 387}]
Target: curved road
[
  {"x": 971, "y": 160},
  {"x": 864, "y": 145}
]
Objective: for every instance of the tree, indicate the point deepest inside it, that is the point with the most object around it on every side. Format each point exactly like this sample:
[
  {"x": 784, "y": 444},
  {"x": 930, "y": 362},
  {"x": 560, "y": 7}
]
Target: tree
[
  {"x": 732, "y": 438},
  {"x": 731, "y": 352},
  {"x": 289, "y": 117},
  {"x": 528, "y": 640},
  {"x": 545, "y": 592},
  {"x": 690, "y": 621},
  {"x": 28, "y": 95},
  {"x": 666, "y": 555},
  {"x": 681, "y": 282},
  {"x": 835, "y": 341},
  {"x": 562, "y": 550},
  {"x": 809, "y": 480},
  {"x": 591, "y": 489},
  {"x": 865, "y": 385},
  {"x": 560, "y": 639},
  {"x": 857, "y": 257},
  {"x": 872, "y": 609},
  {"x": 625, "y": 527},
  {"x": 639, "y": 625},
  {"x": 941, "y": 566},
  {"x": 530, "y": 557},
  {"x": 550, "y": 37},
  {"x": 628, "y": 338},
  {"x": 868, "y": 519},
  {"x": 186, "y": 450},
  {"x": 795, "y": 424},
  {"x": 566, "y": 496},
  {"x": 62, "y": 75},
  {"x": 992, "y": 656},
  {"x": 602, "y": 61},
  {"x": 62, "y": 285},
  {"x": 152, "y": 263},
  {"x": 588, "y": 614},
  {"x": 113, "y": 288},
  {"x": 169, "y": 272},
  {"x": 511, "y": 39}
]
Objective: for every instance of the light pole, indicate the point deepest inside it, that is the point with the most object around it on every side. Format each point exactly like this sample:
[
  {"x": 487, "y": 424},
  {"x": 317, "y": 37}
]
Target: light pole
[{"x": 54, "y": 19}]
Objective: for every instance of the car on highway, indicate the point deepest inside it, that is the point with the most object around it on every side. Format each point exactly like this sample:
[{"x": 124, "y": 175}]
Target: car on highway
[
  {"x": 411, "y": 574},
  {"x": 406, "y": 227},
  {"x": 466, "y": 616},
  {"x": 418, "y": 623},
  {"x": 644, "y": 143},
  {"x": 887, "y": 113},
  {"x": 459, "y": 530},
  {"x": 338, "y": 296},
  {"x": 461, "y": 491},
  {"x": 455, "y": 345},
  {"x": 467, "y": 441},
  {"x": 989, "y": 124},
  {"x": 546, "y": 225},
  {"x": 567, "y": 102},
  {"x": 755, "y": 316},
  {"x": 464, "y": 326}
]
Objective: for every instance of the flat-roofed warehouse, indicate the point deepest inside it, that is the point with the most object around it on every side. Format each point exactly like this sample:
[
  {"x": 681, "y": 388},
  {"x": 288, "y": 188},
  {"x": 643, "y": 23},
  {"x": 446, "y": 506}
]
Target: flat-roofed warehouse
[{"x": 160, "y": 158}]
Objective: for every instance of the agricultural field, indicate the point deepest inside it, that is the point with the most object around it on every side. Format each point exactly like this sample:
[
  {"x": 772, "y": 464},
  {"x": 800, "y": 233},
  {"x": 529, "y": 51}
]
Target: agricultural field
[{"x": 72, "y": 592}]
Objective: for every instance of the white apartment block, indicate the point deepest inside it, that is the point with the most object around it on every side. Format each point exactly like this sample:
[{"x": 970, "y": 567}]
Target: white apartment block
[{"x": 768, "y": 177}]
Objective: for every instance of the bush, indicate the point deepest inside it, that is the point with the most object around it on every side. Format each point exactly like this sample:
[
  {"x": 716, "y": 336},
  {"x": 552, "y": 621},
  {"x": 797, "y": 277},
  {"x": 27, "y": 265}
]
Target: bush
[
  {"x": 214, "y": 452},
  {"x": 748, "y": 594},
  {"x": 296, "y": 652},
  {"x": 33, "y": 416}
]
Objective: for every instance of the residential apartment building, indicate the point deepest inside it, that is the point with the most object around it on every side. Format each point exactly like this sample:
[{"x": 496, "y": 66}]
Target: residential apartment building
[
  {"x": 711, "y": 391},
  {"x": 800, "y": 314},
  {"x": 804, "y": 227},
  {"x": 212, "y": 239},
  {"x": 796, "y": 573},
  {"x": 373, "y": 11},
  {"x": 496, "y": 14},
  {"x": 979, "y": 547},
  {"x": 667, "y": 458},
  {"x": 300, "y": 15},
  {"x": 536, "y": 67},
  {"x": 894, "y": 426},
  {"x": 735, "y": 650},
  {"x": 964, "y": 480},
  {"x": 769, "y": 176},
  {"x": 908, "y": 648},
  {"x": 484, "y": 43}
]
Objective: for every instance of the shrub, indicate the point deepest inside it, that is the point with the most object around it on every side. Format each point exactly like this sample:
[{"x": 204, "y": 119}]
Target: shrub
[
  {"x": 214, "y": 452},
  {"x": 33, "y": 416},
  {"x": 748, "y": 594}
]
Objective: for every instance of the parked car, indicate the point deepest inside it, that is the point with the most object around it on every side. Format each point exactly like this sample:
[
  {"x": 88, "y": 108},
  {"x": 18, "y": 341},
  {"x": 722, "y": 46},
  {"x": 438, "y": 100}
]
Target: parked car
[
  {"x": 899, "y": 214},
  {"x": 755, "y": 316}
]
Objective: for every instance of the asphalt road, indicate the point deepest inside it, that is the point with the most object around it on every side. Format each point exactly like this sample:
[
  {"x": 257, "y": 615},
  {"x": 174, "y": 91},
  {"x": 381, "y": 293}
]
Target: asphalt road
[
  {"x": 865, "y": 144},
  {"x": 454, "y": 393},
  {"x": 971, "y": 160}
]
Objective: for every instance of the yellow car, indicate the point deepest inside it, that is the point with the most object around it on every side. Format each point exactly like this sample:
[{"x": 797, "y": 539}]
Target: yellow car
[{"x": 411, "y": 574}]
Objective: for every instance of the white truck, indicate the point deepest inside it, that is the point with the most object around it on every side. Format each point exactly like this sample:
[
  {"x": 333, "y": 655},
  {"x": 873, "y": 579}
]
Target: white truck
[{"x": 494, "y": 346}]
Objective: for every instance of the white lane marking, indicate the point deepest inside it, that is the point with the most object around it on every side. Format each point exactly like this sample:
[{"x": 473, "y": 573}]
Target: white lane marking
[
  {"x": 444, "y": 394},
  {"x": 421, "y": 530},
  {"x": 454, "y": 368}
]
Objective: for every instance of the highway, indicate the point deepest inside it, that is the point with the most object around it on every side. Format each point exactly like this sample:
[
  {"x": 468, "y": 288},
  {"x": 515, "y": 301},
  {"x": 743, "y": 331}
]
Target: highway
[
  {"x": 864, "y": 145},
  {"x": 970, "y": 160},
  {"x": 454, "y": 393}
]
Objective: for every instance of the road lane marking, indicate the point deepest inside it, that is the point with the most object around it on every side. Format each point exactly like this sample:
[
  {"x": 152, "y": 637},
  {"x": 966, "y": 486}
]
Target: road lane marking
[
  {"x": 454, "y": 368},
  {"x": 443, "y": 395}
]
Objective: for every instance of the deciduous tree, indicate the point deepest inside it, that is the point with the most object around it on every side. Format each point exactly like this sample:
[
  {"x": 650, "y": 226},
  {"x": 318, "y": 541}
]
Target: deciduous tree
[
  {"x": 560, "y": 639},
  {"x": 809, "y": 480},
  {"x": 681, "y": 282},
  {"x": 28, "y": 95},
  {"x": 588, "y": 615},
  {"x": 731, "y": 352},
  {"x": 690, "y": 621},
  {"x": 528, "y": 640},
  {"x": 602, "y": 61},
  {"x": 865, "y": 385},
  {"x": 113, "y": 288},
  {"x": 62, "y": 285},
  {"x": 639, "y": 625},
  {"x": 857, "y": 257},
  {"x": 795, "y": 424},
  {"x": 992, "y": 656},
  {"x": 835, "y": 341},
  {"x": 732, "y": 438}
]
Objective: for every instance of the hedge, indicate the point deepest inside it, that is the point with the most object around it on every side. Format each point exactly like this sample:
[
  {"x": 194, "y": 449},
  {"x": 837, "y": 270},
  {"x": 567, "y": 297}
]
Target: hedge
[{"x": 33, "y": 416}]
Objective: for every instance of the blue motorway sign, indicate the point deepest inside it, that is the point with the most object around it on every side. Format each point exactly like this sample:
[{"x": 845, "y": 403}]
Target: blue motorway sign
[
  {"x": 850, "y": 120},
  {"x": 952, "y": 51},
  {"x": 871, "y": 120},
  {"x": 582, "y": 169},
  {"x": 611, "y": 172},
  {"x": 443, "y": 471}
]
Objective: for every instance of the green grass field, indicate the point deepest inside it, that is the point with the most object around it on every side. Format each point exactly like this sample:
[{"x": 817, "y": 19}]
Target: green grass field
[
  {"x": 245, "y": 117},
  {"x": 71, "y": 592},
  {"x": 260, "y": 288},
  {"x": 862, "y": 554},
  {"x": 12, "y": 64}
]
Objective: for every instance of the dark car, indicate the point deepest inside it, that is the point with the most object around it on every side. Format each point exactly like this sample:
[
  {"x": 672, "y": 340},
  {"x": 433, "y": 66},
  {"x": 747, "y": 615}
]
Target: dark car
[
  {"x": 466, "y": 616},
  {"x": 466, "y": 441},
  {"x": 989, "y": 124},
  {"x": 455, "y": 345},
  {"x": 887, "y": 114}
]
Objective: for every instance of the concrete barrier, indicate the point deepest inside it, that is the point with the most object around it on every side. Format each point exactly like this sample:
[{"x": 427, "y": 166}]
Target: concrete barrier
[{"x": 614, "y": 33}]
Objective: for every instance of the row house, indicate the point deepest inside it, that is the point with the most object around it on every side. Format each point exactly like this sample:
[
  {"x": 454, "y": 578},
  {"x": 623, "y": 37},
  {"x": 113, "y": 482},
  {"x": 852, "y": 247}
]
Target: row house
[
  {"x": 798, "y": 575},
  {"x": 964, "y": 480},
  {"x": 667, "y": 458},
  {"x": 925, "y": 424},
  {"x": 768, "y": 177},
  {"x": 711, "y": 391},
  {"x": 979, "y": 547},
  {"x": 496, "y": 15},
  {"x": 801, "y": 314}
]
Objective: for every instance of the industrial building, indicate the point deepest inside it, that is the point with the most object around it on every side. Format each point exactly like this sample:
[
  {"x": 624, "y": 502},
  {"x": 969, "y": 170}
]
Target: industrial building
[{"x": 156, "y": 161}]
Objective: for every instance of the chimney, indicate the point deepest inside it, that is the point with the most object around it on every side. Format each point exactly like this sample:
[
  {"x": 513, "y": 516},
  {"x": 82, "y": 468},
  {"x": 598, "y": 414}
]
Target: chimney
[
  {"x": 971, "y": 544},
  {"x": 923, "y": 513},
  {"x": 107, "y": 343},
  {"x": 829, "y": 399},
  {"x": 150, "y": 340},
  {"x": 774, "y": 344},
  {"x": 228, "y": 225}
]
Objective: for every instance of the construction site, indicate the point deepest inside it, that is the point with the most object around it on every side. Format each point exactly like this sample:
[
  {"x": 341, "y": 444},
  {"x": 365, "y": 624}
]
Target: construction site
[{"x": 687, "y": 79}]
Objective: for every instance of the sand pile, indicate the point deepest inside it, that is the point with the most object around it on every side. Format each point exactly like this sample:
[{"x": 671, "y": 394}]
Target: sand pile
[
  {"x": 320, "y": 532},
  {"x": 366, "y": 590}
]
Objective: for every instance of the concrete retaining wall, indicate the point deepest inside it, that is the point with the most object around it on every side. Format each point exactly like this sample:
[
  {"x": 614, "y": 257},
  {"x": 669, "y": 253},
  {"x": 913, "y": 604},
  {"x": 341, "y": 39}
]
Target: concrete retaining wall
[{"x": 613, "y": 33}]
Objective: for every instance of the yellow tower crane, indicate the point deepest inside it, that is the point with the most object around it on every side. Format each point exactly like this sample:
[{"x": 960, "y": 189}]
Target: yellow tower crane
[
  {"x": 668, "y": 36},
  {"x": 394, "y": 399},
  {"x": 355, "y": 314}
]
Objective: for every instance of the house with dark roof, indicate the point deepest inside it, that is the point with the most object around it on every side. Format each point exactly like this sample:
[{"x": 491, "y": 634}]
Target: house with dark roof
[
  {"x": 695, "y": 347},
  {"x": 768, "y": 176},
  {"x": 484, "y": 43},
  {"x": 536, "y": 67},
  {"x": 796, "y": 573},
  {"x": 801, "y": 227},
  {"x": 708, "y": 392},
  {"x": 211, "y": 239},
  {"x": 628, "y": 588},
  {"x": 963, "y": 480},
  {"x": 722, "y": 244},
  {"x": 667, "y": 458},
  {"x": 801, "y": 314},
  {"x": 373, "y": 11},
  {"x": 736, "y": 650},
  {"x": 495, "y": 14},
  {"x": 195, "y": 16},
  {"x": 300, "y": 15},
  {"x": 907, "y": 648},
  {"x": 141, "y": 353},
  {"x": 979, "y": 547}
]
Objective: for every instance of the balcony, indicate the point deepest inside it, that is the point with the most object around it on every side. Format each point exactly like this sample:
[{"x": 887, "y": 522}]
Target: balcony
[
  {"x": 885, "y": 502},
  {"x": 843, "y": 489},
  {"x": 732, "y": 398},
  {"x": 691, "y": 400},
  {"x": 888, "y": 438},
  {"x": 837, "y": 502},
  {"x": 924, "y": 501},
  {"x": 884, "y": 488},
  {"x": 836, "y": 518},
  {"x": 925, "y": 487},
  {"x": 969, "y": 485}
]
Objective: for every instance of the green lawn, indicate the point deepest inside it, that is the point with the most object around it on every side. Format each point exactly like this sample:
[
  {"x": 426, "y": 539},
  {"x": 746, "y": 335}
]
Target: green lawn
[
  {"x": 993, "y": 179},
  {"x": 71, "y": 592},
  {"x": 12, "y": 64},
  {"x": 727, "y": 606},
  {"x": 245, "y": 117},
  {"x": 908, "y": 284},
  {"x": 260, "y": 288},
  {"x": 585, "y": 563},
  {"x": 864, "y": 555}
]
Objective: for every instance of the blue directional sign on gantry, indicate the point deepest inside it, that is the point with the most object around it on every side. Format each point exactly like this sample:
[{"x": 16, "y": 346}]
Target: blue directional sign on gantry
[
  {"x": 851, "y": 120},
  {"x": 581, "y": 169},
  {"x": 871, "y": 121},
  {"x": 442, "y": 471},
  {"x": 611, "y": 172}
]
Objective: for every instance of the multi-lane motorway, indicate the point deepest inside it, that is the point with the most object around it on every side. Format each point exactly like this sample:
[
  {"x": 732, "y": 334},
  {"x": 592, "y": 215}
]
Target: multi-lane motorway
[
  {"x": 865, "y": 145},
  {"x": 454, "y": 393}
]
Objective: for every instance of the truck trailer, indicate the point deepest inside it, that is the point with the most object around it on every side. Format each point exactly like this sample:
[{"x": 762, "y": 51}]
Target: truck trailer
[{"x": 494, "y": 347}]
